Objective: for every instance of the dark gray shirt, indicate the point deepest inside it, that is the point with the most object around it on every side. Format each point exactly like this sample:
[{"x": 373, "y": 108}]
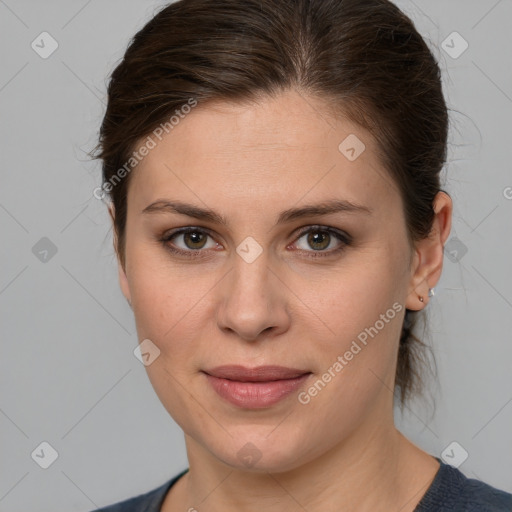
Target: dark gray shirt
[{"x": 450, "y": 491}]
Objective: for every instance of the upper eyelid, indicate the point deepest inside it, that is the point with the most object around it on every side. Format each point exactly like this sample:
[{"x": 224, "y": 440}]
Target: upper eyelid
[{"x": 341, "y": 235}]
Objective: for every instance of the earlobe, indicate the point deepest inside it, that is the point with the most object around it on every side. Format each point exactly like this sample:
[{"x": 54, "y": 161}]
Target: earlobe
[
  {"x": 429, "y": 254},
  {"x": 416, "y": 296}
]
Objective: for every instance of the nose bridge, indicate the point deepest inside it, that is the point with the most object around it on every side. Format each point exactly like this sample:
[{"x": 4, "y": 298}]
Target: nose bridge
[
  {"x": 252, "y": 301},
  {"x": 250, "y": 276}
]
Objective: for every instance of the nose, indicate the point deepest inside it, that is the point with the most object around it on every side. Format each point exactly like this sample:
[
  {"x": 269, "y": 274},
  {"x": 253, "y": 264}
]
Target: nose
[{"x": 253, "y": 301}]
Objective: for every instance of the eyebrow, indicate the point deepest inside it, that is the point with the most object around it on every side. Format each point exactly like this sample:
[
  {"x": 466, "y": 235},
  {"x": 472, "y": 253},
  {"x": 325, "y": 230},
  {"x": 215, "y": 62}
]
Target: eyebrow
[{"x": 324, "y": 208}]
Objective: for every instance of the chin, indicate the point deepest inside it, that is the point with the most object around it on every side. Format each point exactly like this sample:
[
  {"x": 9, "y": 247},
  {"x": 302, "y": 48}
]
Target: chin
[{"x": 260, "y": 449}]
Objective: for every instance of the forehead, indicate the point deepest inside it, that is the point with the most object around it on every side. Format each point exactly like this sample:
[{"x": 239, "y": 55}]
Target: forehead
[{"x": 277, "y": 149}]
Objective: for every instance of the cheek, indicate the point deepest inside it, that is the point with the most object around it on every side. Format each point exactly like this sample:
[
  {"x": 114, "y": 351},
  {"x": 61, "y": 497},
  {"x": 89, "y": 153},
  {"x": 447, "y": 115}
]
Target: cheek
[
  {"x": 356, "y": 356},
  {"x": 174, "y": 304},
  {"x": 165, "y": 311},
  {"x": 173, "y": 308},
  {"x": 356, "y": 364},
  {"x": 344, "y": 302},
  {"x": 169, "y": 312}
]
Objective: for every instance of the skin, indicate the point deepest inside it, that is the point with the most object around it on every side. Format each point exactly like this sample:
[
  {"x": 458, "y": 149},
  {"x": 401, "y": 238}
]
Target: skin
[{"x": 249, "y": 162}]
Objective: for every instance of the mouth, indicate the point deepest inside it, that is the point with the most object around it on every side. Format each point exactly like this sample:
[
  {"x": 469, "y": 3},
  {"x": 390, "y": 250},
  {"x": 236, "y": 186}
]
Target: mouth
[
  {"x": 257, "y": 374},
  {"x": 255, "y": 388}
]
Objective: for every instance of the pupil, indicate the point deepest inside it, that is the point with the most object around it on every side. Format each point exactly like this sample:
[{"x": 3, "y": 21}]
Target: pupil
[
  {"x": 195, "y": 236},
  {"x": 313, "y": 239}
]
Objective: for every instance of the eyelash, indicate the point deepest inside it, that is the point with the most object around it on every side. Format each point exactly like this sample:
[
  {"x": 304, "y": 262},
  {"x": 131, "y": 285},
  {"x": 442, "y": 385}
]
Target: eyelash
[{"x": 345, "y": 240}]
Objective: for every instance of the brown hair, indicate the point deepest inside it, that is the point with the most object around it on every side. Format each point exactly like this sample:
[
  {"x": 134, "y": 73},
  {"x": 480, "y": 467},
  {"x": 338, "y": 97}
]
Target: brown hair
[{"x": 364, "y": 58}]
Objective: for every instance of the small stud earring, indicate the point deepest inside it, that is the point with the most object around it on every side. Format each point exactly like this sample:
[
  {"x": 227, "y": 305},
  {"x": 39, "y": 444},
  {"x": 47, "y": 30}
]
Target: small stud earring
[
  {"x": 421, "y": 298},
  {"x": 431, "y": 292}
]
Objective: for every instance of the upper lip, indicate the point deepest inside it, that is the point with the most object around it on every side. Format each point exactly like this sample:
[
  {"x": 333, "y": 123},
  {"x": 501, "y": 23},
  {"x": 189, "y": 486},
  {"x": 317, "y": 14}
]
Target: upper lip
[{"x": 256, "y": 374}]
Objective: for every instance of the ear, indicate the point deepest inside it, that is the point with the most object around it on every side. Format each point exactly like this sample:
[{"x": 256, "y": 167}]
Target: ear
[
  {"x": 429, "y": 253},
  {"x": 123, "y": 280}
]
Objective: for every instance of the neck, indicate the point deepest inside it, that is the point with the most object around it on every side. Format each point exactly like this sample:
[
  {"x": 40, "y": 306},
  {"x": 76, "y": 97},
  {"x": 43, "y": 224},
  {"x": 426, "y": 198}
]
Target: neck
[{"x": 375, "y": 469}]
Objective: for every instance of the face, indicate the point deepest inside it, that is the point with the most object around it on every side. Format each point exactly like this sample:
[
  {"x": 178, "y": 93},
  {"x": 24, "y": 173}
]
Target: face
[{"x": 266, "y": 286}]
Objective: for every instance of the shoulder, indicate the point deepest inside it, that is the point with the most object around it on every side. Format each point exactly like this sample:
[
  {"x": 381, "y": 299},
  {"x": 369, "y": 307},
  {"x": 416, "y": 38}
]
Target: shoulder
[
  {"x": 452, "y": 490},
  {"x": 482, "y": 496},
  {"x": 147, "y": 502}
]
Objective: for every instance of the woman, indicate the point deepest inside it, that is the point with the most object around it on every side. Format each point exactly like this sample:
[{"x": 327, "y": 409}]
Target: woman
[{"x": 273, "y": 167}]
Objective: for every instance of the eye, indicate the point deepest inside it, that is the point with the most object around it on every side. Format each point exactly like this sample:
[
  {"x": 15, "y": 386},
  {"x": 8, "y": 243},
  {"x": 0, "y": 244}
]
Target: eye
[
  {"x": 194, "y": 239},
  {"x": 319, "y": 238}
]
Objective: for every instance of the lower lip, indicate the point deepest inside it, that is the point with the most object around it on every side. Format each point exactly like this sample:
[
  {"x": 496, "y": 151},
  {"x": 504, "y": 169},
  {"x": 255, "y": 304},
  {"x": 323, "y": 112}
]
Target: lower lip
[{"x": 255, "y": 395}]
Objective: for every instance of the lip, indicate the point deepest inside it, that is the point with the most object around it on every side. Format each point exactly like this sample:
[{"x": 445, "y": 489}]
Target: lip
[
  {"x": 255, "y": 388},
  {"x": 256, "y": 374}
]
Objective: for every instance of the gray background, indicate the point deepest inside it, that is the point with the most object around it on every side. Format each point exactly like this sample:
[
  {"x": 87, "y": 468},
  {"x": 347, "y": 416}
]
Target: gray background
[{"x": 68, "y": 373}]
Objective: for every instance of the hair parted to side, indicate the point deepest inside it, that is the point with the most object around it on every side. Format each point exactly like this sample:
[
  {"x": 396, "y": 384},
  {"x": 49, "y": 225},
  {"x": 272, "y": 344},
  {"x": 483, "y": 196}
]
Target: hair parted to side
[{"x": 363, "y": 58}]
